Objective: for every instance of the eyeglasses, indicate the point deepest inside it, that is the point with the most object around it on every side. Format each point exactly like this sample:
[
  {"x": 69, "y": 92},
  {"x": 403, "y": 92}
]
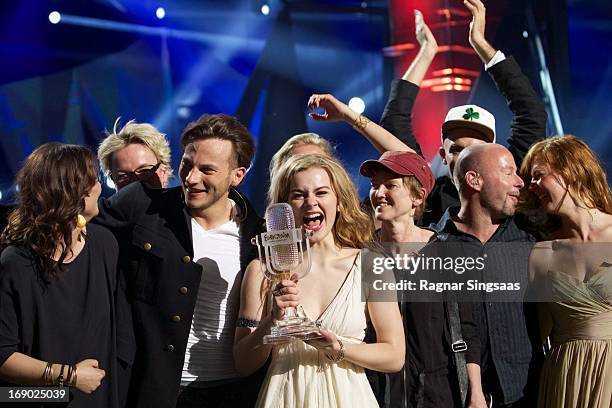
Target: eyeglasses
[{"x": 141, "y": 174}]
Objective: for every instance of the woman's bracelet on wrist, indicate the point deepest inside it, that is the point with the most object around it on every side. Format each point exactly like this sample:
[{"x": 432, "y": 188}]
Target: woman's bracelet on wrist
[
  {"x": 70, "y": 379},
  {"x": 360, "y": 123},
  {"x": 48, "y": 374},
  {"x": 340, "y": 355}
]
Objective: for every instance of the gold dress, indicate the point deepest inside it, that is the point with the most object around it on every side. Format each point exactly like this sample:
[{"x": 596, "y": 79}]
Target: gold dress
[{"x": 578, "y": 370}]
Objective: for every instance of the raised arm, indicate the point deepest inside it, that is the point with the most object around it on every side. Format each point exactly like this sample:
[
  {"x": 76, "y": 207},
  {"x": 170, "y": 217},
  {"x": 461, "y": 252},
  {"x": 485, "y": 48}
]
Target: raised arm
[
  {"x": 397, "y": 116},
  {"x": 336, "y": 111},
  {"x": 428, "y": 47},
  {"x": 529, "y": 121}
]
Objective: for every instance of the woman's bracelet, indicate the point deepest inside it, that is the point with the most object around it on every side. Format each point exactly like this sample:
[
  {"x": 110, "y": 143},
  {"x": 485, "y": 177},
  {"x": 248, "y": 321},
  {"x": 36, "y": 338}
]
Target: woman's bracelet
[
  {"x": 60, "y": 378},
  {"x": 72, "y": 375},
  {"x": 360, "y": 123},
  {"x": 48, "y": 374},
  {"x": 340, "y": 355},
  {"x": 243, "y": 322}
]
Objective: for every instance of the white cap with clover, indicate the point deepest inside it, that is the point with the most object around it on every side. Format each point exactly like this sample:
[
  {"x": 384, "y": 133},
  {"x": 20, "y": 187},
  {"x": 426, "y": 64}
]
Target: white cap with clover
[{"x": 472, "y": 117}]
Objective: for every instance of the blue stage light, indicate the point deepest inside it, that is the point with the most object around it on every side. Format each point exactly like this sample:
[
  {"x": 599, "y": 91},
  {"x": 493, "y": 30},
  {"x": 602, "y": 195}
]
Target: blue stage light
[
  {"x": 265, "y": 9},
  {"x": 54, "y": 17},
  {"x": 160, "y": 13}
]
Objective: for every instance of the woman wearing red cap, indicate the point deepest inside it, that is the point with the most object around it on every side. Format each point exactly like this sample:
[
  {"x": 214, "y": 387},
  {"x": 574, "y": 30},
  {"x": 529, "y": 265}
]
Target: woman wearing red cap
[{"x": 401, "y": 182}]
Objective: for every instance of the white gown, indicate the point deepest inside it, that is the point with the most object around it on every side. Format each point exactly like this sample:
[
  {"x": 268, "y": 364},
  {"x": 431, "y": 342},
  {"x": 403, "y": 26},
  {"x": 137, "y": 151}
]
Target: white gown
[{"x": 302, "y": 376}]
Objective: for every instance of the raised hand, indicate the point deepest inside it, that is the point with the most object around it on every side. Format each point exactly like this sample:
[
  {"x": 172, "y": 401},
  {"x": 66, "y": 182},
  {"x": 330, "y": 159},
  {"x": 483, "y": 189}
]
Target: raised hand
[
  {"x": 477, "y": 30},
  {"x": 477, "y": 26},
  {"x": 423, "y": 33},
  {"x": 89, "y": 376},
  {"x": 334, "y": 109},
  {"x": 427, "y": 51}
]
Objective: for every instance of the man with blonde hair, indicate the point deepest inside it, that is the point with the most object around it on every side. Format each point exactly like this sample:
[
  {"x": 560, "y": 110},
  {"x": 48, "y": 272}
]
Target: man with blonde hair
[{"x": 137, "y": 152}]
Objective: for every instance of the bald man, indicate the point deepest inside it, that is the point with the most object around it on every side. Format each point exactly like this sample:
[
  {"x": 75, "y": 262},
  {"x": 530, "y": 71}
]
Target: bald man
[{"x": 485, "y": 176}]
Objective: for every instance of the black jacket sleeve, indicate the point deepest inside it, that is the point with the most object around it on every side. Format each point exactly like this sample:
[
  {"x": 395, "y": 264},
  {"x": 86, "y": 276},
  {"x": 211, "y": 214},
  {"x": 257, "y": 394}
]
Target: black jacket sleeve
[
  {"x": 529, "y": 121},
  {"x": 397, "y": 116},
  {"x": 122, "y": 209}
]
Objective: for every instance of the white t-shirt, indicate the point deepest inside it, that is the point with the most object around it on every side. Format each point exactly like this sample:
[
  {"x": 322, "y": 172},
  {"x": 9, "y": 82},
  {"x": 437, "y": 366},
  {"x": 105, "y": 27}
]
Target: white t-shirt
[{"x": 209, "y": 354}]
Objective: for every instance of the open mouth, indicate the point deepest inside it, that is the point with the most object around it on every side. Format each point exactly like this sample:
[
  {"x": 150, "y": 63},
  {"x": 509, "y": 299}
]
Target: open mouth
[{"x": 312, "y": 222}]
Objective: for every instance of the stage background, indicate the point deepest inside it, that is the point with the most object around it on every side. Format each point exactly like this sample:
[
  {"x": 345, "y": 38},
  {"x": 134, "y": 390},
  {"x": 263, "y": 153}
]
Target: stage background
[{"x": 109, "y": 58}]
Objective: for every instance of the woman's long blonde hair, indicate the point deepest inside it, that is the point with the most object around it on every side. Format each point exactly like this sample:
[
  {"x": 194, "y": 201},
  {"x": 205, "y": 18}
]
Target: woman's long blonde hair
[{"x": 352, "y": 227}]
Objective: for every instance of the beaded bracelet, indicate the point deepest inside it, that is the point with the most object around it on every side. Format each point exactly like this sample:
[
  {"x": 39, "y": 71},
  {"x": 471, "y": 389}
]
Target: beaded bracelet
[{"x": 242, "y": 322}]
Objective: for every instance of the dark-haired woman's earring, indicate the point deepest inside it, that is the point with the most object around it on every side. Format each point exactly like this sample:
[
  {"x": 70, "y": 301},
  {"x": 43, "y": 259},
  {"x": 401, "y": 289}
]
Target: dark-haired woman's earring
[{"x": 81, "y": 222}]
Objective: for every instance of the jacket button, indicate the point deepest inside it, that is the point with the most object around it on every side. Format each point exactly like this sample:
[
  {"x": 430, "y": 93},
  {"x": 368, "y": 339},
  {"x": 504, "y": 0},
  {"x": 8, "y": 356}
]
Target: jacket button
[
  {"x": 147, "y": 246},
  {"x": 176, "y": 318},
  {"x": 186, "y": 259},
  {"x": 183, "y": 290},
  {"x": 170, "y": 347}
]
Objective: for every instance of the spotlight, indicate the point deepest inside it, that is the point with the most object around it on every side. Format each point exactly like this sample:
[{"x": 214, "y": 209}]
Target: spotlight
[
  {"x": 0, "y": 195},
  {"x": 265, "y": 9},
  {"x": 110, "y": 183},
  {"x": 357, "y": 104},
  {"x": 160, "y": 13},
  {"x": 183, "y": 112},
  {"x": 54, "y": 17}
]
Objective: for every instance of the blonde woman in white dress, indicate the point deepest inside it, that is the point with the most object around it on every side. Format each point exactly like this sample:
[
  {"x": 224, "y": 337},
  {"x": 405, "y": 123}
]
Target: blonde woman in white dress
[{"x": 328, "y": 372}]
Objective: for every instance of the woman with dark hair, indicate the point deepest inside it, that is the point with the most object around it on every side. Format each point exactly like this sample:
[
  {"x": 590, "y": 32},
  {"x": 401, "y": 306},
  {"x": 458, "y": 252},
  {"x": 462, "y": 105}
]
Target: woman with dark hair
[
  {"x": 573, "y": 272},
  {"x": 328, "y": 372},
  {"x": 58, "y": 281}
]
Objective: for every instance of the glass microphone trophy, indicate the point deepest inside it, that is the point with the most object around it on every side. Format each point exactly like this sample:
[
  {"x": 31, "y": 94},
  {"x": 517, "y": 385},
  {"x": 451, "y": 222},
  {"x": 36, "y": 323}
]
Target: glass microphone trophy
[{"x": 283, "y": 251}]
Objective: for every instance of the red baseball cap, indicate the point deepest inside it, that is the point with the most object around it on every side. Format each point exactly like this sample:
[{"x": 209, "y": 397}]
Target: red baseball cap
[{"x": 403, "y": 164}]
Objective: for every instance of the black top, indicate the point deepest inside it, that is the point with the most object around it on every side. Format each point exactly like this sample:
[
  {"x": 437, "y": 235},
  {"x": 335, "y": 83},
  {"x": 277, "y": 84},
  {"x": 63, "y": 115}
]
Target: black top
[
  {"x": 511, "y": 357},
  {"x": 68, "y": 320},
  {"x": 428, "y": 378}
]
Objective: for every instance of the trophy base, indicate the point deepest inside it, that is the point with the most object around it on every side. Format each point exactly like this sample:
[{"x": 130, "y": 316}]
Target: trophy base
[{"x": 294, "y": 327}]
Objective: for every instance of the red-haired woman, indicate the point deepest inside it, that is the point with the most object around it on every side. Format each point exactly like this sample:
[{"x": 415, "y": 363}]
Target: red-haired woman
[{"x": 573, "y": 271}]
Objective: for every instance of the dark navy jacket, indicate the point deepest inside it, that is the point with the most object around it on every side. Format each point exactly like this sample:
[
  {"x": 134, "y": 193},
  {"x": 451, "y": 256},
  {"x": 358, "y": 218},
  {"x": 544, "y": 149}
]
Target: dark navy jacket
[{"x": 154, "y": 233}]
